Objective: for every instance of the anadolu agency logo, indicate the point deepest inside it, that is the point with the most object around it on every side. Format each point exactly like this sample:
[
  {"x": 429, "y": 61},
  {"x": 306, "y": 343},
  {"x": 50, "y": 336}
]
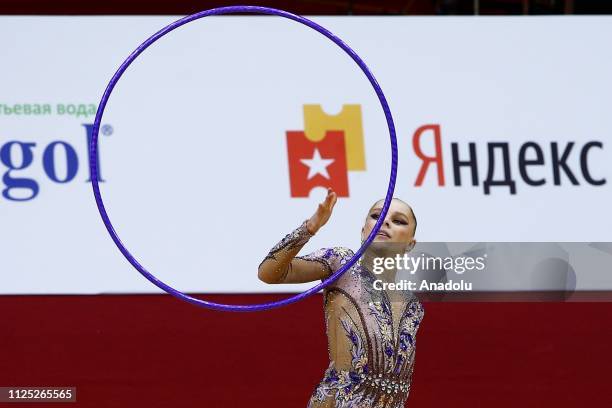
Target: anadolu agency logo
[{"x": 324, "y": 152}]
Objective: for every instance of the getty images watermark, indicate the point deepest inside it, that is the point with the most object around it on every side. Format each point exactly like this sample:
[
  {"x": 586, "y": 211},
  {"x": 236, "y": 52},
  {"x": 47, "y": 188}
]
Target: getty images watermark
[
  {"x": 422, "y": 271},
  {"x": 493, "y": 271}
]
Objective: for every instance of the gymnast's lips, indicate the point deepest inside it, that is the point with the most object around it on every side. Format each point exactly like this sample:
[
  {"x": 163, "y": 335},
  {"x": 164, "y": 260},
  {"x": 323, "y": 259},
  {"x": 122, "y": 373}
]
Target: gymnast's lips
[{"x": 382, "y": 233}]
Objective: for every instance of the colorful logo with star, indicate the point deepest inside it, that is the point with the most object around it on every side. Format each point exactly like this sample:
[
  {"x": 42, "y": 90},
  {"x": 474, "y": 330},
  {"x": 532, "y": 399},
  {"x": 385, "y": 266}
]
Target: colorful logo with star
[{"x": 324, "y": 152}]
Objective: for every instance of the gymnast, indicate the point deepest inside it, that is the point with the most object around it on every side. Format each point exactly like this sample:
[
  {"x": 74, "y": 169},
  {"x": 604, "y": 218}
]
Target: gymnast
[{"x": 371, "y": 333}]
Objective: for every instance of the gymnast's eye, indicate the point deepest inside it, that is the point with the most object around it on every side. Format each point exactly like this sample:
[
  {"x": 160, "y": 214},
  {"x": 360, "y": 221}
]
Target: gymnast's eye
[
  {"x": 402, "y": 222},
  {"x": 375, "y": 216}
]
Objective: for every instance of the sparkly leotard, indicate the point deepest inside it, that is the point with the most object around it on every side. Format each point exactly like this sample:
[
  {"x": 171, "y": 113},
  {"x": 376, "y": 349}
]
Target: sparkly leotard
[{"x": 371, "y": 333}]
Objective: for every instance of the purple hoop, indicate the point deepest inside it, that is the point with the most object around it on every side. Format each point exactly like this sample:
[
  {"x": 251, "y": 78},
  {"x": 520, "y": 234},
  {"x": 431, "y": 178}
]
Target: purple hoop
[{"x": 94, "y": 150}]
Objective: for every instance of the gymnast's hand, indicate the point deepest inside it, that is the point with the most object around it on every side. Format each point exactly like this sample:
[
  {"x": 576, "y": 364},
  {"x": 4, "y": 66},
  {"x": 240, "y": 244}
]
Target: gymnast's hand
[{"x": 321, "y": 216}]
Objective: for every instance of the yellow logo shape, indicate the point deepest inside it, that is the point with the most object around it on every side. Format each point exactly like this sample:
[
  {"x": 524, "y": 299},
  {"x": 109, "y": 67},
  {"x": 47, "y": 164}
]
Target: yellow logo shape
[{"x": 317, "y": 122}]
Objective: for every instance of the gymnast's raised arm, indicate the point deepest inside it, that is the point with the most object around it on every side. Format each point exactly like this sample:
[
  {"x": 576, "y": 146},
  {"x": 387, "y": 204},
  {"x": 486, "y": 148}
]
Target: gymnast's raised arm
[{"x": 282, "y": 265}]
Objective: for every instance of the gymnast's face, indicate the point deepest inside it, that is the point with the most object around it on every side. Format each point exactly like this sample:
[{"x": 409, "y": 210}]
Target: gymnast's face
[{"x": 398, "y": 227}]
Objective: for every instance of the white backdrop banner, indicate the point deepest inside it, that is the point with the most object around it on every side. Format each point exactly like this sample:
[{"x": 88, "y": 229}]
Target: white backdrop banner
[{"x": 223, "y": 136}]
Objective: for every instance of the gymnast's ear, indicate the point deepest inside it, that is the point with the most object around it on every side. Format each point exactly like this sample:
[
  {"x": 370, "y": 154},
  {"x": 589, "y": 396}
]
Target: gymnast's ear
[{"x": 411, "y": 245}]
